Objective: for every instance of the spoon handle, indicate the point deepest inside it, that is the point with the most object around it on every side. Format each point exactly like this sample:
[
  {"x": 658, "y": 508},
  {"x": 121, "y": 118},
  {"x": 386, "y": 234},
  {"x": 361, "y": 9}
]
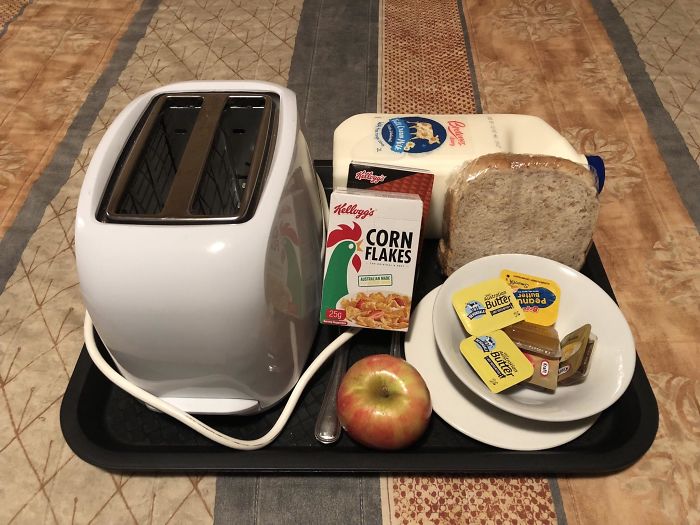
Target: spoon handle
[
  {"x": 396, "y": 345},
  {"x": 327, "y": 429}
]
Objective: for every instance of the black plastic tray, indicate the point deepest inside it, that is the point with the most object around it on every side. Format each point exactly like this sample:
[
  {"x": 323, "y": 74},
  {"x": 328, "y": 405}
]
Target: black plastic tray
[{"x": 109, "y": 429}]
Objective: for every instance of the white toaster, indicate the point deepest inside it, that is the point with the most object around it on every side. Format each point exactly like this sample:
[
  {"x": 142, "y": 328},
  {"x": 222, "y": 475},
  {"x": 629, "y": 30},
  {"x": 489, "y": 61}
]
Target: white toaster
[{"x": 199, "y": 244}]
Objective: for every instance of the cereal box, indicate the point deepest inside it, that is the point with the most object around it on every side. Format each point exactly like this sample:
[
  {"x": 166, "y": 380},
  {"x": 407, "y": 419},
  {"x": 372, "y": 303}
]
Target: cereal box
[{"x": 371, "y": 257}]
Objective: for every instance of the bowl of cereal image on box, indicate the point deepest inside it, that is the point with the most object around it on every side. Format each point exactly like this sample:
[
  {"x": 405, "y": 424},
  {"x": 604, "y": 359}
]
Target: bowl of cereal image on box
[
  {"x": 582, "y": 302},
  {"x": 389, "y": 311}
]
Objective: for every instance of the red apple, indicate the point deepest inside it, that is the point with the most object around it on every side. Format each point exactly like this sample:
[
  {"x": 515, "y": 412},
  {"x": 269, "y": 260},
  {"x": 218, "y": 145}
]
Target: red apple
[{"x": 383, "y": 402}]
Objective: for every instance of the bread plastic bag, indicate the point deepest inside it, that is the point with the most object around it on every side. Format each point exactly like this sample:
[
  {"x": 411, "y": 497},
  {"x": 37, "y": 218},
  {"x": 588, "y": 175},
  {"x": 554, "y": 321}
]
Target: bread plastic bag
[{"x": 514, "y": 203}]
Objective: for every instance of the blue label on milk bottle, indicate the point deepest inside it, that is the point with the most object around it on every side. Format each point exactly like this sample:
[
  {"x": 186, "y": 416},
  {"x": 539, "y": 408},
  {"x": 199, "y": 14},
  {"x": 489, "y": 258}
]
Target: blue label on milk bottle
[{"x": 413, "y": 134}]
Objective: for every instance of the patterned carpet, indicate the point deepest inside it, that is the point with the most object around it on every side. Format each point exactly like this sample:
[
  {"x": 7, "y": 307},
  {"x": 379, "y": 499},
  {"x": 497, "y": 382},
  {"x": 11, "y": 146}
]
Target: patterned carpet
[
  {"x": 425, "y": 65},
  {"x": 524, "y": 56},
  {"x": 9, "y": 10},
  {"x": 667, "y": 35}
]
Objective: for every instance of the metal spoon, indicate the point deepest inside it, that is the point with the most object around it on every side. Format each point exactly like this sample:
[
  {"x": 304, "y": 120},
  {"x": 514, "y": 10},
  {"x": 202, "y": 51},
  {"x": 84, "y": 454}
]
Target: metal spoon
[{"x": 327, "y": 429}]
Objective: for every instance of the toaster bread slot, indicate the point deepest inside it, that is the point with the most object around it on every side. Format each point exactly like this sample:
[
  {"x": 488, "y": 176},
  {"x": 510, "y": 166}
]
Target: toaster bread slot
[
  {"x": 237, "y": 160},
  {"x": 149, "y": 168},
  {"x": 194, "y": 158}
]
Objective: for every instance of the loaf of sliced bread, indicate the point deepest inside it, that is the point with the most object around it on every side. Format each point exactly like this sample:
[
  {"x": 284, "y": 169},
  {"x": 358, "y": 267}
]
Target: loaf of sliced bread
[{"x": 512, "y": 203}]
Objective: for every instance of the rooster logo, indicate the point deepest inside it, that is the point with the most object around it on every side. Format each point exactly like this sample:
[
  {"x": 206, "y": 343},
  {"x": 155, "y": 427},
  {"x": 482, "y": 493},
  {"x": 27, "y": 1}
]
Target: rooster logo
[{"x": 347, "y": 243}]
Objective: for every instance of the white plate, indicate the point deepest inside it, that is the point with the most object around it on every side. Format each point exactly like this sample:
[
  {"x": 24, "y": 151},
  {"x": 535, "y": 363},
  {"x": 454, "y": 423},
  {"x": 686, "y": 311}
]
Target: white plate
[
  {"x": 465, "y": 411},
  {"x": 582, "y": 301}
]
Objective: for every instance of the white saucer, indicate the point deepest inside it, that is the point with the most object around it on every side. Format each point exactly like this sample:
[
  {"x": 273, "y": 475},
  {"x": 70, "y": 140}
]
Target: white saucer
[{"x": 467, "y": 412}]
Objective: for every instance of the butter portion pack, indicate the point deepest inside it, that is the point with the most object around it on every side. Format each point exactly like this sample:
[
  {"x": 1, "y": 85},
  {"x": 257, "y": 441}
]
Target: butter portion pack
[
  {"x": 496, "y": 359},
  {"x": 487, "y": 306}
]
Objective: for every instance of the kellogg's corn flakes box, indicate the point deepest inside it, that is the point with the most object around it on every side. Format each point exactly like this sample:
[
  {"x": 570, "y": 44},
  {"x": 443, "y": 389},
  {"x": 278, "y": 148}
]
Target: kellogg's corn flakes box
[{"x": 371, "y": 257}]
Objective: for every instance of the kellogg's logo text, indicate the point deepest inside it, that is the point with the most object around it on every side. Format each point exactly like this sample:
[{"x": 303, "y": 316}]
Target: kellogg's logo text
[
  {"x": 454, "y": 129},
  {"x": 352, "y": 209},
  {"x": 369, "y": 176}
]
